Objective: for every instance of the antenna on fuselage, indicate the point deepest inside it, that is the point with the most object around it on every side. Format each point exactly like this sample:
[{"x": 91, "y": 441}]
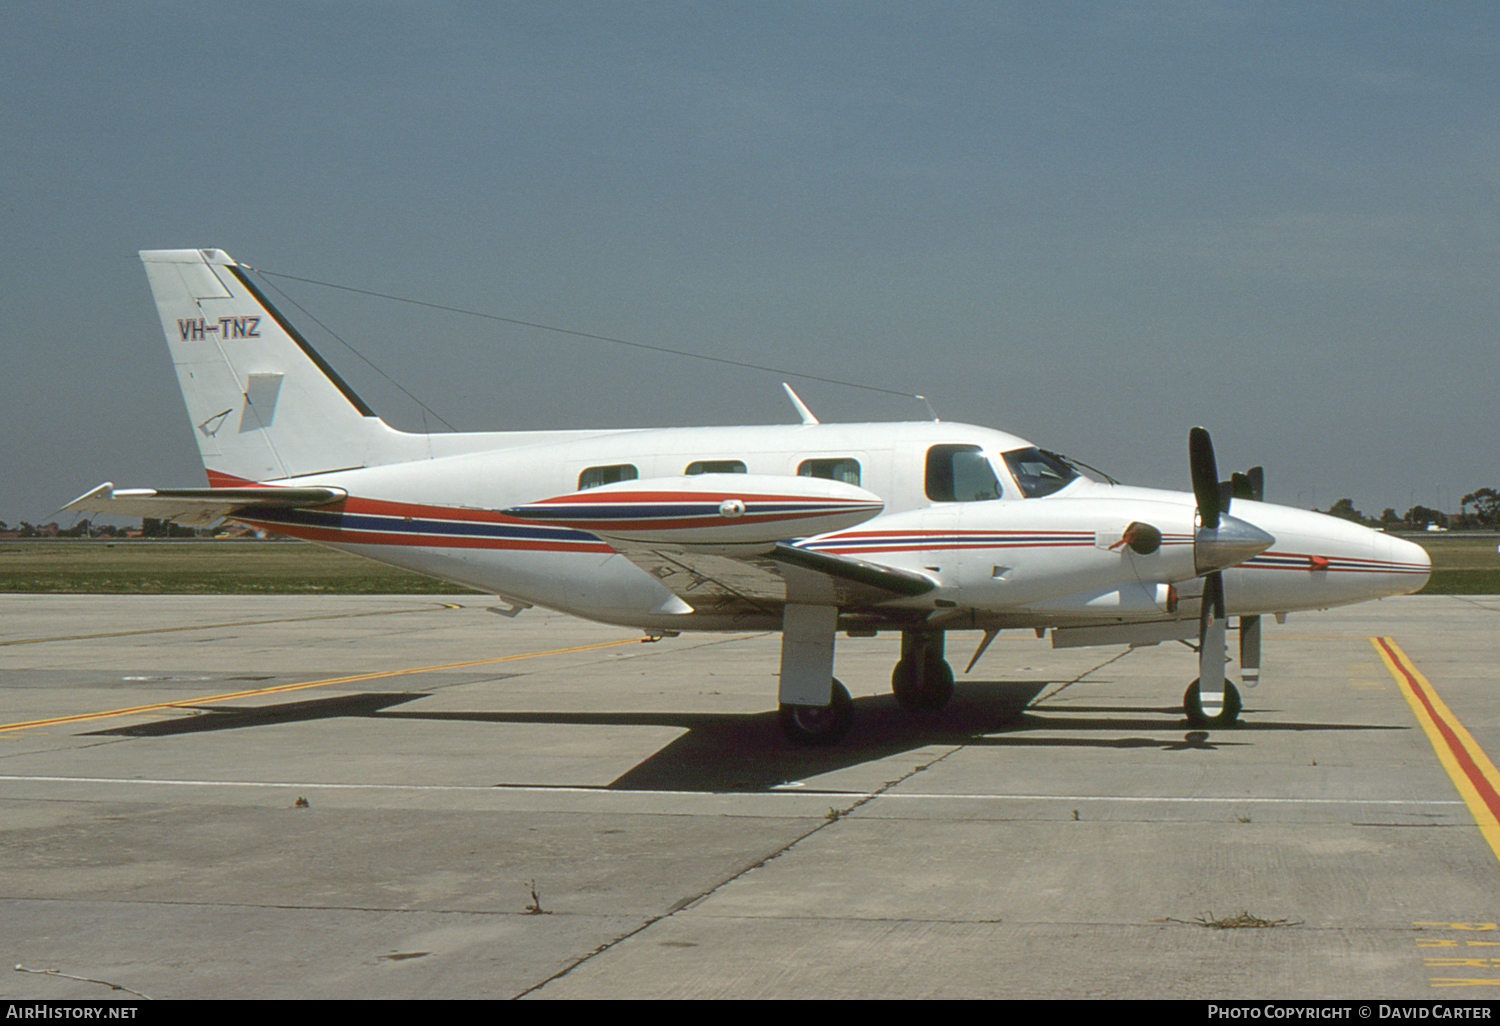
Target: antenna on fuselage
[
  {"x": 930, "y": 411},
  {"x": 802, "y": 410},
  {"x": 584, "y": 334}
]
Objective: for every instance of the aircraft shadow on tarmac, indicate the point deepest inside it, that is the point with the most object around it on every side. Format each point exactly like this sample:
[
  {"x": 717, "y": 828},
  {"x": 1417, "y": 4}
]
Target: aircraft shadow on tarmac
[{"x": 747, "y": 752}]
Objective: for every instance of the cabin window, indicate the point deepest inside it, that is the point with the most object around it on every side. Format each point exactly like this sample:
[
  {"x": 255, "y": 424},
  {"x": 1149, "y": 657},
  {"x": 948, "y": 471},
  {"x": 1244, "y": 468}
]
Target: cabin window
[
  {"x": 1038, "y": 473},
  {"x": 593, "y": 477},
  {"x": 843, "y": 469},
  {"x": 960, "y": 473},
  {"x": 715, "y": 467}
]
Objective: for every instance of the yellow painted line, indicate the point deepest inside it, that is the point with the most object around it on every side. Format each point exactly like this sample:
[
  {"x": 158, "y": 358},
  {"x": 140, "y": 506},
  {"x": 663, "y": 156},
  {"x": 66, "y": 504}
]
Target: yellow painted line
[
  {"x": 189, "y": 702},
  {"x": 1470, "y": 769},
  {"x": 235, "y": 623}
]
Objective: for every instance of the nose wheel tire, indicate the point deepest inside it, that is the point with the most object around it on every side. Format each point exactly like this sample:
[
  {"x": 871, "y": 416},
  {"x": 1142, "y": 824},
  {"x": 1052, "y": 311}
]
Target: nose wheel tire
[
  {"x": 816, "y": 725},
  {"x": 1228, "y": 715}
]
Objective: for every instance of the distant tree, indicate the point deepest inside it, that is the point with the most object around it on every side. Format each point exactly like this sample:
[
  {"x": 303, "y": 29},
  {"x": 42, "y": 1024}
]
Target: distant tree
[
  {"x": 1486, "y": 503},
  {"x": 1344, "y": 510},
  {"x": 1389, "y": 516},
  {"x": 153, "y": 528},
  {"x": 1421, "y": 516}
]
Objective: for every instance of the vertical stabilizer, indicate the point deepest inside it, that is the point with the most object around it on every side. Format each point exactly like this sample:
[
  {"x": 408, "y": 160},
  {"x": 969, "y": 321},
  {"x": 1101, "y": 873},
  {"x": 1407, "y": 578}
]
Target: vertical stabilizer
[{"x": 264, "y": 405}]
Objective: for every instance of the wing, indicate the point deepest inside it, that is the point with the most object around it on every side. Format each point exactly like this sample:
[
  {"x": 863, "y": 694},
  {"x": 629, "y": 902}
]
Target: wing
[
  {"x": 720, "y": 542},
  {"x": 199, "y": 506}
]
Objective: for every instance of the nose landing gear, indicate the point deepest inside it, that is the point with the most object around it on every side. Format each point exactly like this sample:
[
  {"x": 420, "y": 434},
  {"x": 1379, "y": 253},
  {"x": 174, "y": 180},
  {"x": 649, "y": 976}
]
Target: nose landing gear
[{"x": 1224, "y": 715}]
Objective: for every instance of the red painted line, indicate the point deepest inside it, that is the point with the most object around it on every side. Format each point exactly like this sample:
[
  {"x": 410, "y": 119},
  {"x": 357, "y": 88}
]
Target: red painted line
[
  {"x": 410, "y": 540},
  {"x": 1475, "y": 775}
]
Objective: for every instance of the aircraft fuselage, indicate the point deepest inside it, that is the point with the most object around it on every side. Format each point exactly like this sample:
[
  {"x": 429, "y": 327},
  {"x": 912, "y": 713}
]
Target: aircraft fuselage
[{"x": 1010, "y": 561}]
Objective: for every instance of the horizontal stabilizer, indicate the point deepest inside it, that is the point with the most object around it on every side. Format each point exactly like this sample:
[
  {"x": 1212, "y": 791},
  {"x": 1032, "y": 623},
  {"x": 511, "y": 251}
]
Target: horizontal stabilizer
[{"x": 198, "y": 506}]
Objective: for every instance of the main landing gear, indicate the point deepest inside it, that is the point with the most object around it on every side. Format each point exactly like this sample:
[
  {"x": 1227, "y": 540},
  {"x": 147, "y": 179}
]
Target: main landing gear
[
  {"x": 814, "y": 708},
  {"x": 813, "y": 726},
  {"x": 922, "y": 680}
]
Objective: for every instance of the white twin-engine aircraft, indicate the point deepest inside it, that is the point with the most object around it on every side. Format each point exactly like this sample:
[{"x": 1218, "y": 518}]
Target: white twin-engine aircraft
[{"x": 810, "y": 529}]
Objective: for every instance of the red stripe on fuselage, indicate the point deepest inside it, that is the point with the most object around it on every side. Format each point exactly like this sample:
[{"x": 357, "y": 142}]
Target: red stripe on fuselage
[
  {"x": 335, "y": 536},
  {"x": 406, "y": 510}
]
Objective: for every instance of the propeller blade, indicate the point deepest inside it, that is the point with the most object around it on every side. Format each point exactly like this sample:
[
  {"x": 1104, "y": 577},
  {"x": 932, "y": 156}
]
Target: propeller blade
[
  {"x": 1205, "y": 477},
  {"x": 1257, "y": 478},
  {"x": 1221, "y": 541}
]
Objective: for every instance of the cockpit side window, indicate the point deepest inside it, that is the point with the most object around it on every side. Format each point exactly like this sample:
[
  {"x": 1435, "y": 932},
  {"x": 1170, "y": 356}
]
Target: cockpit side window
[
  {"x": 960, "y": 473},
  {"x": 1038, "y": 473}
]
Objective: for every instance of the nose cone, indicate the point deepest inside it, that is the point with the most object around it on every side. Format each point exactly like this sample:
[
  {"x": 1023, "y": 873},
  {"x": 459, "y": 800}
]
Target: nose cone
[
  {"x": 1412, "y": 566},
  {"x": 1230, "y": 544},
  {"x": 1320, "y": 561}
]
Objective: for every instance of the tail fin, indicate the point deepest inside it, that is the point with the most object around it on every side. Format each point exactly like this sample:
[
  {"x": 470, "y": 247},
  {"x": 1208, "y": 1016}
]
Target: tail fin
[{"x": 264, "y": 405}]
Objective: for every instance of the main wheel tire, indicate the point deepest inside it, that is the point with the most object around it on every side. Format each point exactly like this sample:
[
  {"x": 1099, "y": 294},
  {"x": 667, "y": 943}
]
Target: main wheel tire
[
  {"x": 1192, "y": 705},
  {"x": 812, "y": 726},
  {"x": 926, "y": 691}
]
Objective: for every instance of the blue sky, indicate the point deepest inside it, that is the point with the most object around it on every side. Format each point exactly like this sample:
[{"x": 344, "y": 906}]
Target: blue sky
[{"x": 1091, "y": 224}]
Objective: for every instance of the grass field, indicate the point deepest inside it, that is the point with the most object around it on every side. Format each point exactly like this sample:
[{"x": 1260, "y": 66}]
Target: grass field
[
  {"x": 1462, "y": 565},
  {"x": 201, "y": 567}
]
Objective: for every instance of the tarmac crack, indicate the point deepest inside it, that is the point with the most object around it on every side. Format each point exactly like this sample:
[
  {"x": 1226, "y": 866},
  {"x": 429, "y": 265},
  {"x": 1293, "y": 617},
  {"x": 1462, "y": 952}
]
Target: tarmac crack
[
  {"x": 1082, "y": 676},
  {"x": 1476, "y": 603},
  {"x": 83, "y": 979},
  {"x": 834, "y": 816},
  {"x": 283, "y": 907}
]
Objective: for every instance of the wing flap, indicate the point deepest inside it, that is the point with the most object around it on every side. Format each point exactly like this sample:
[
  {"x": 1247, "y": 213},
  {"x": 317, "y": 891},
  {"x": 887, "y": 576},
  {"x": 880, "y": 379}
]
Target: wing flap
[
  {"x": 856, "y": 574},
  {"x": 723, "y": 580}
]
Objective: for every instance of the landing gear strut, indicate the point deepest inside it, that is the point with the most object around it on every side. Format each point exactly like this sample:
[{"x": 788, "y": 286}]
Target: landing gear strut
[{"x": 922, "y": 680}]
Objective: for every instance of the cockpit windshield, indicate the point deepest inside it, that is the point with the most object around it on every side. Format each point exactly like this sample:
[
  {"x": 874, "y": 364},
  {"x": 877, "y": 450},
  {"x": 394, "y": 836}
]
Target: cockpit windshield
[{"x": 1038, "y": 472}]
